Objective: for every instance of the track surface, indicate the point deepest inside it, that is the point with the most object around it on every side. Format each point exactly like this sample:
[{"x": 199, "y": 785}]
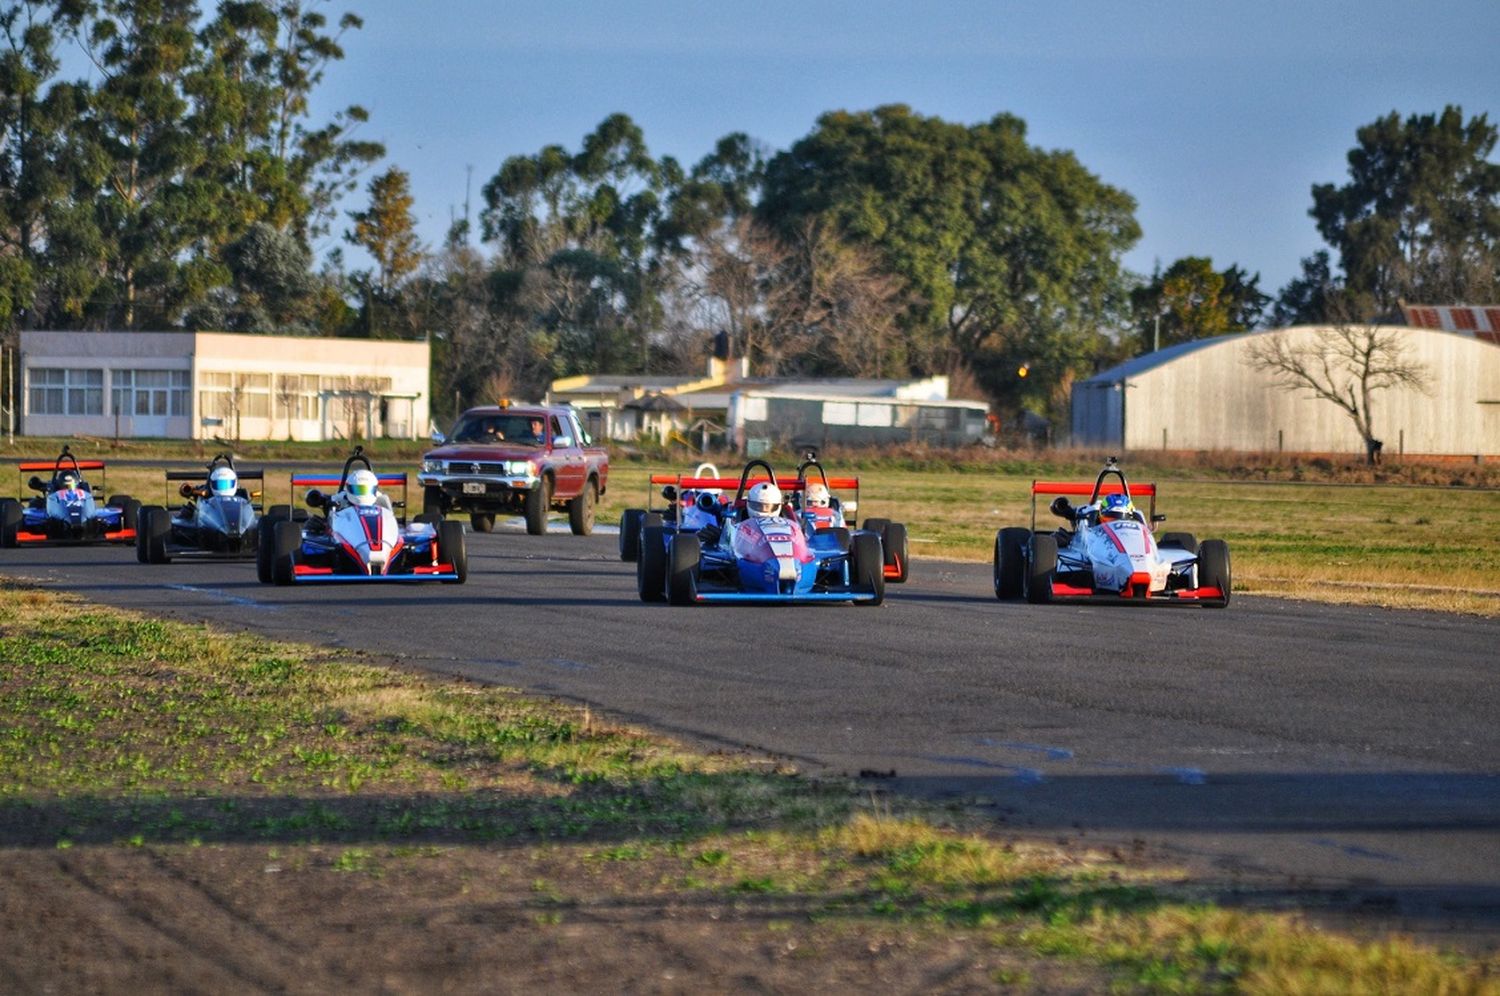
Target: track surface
[{"x": 1296, "y": 752}]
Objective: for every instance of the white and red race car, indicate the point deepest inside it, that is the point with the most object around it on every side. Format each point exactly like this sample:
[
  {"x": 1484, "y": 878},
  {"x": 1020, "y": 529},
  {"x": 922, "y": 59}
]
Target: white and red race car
[{"x": 1108, "y": 549}]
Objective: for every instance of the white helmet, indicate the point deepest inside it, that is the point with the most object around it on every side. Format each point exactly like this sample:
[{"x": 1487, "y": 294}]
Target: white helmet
[
  {"x": 222, "y": 482},
  {"x": 361, "y": 487},
  {"x": 817, "y": 495},
  {"x": 764, "y": 499}
]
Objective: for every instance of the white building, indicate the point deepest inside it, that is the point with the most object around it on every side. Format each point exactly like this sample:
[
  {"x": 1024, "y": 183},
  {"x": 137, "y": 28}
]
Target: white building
[
  {"x": 198, "y": 385},
  {"x": 1209, "y": 395}
]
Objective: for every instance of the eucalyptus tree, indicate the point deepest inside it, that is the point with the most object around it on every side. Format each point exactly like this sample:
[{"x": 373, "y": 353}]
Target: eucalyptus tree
[{"x": 1191, "y": 300}]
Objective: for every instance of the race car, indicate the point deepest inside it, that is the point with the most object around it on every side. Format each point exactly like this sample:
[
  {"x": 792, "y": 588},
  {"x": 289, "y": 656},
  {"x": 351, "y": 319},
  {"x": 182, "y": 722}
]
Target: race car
[
  {"x": 821, "y": 508},
  {"x": 1107, "y": 550},
  {"x": 757, "y": 552},
  {"x": 812, "y": 496},
  {"x": 353, "y": 534},
  {"x": 218, "y": 517},
  {"x": 66, "y": 509}
]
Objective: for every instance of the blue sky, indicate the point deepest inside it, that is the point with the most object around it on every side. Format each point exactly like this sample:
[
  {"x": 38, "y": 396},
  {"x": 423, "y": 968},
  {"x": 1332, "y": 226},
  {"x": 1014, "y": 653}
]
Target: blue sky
[{"x": 1218, "y": 117}]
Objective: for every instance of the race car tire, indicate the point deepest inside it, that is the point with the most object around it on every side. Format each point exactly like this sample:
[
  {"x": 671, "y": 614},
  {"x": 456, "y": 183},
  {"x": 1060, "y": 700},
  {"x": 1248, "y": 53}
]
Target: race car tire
[
  {"x": 277, "y": 513},
  {"x": 876, "y": 526},
  {"x": 130, "y": 514},
  {"x": 152, "y": 526},
  {"x": 682, "y": 569},
  {"x": 1010, "y": 562},
  {"x": 581, "y": 509},
  {"x": 651, "y": 566},
  {"x": 841, "y": 536},
  {"x": 1213, "y": 570},
  {"x": 451, "y": 548},
  {"x": 538, "y": 504},
  {"x": 1041, "y": 567},
  {"x": 867, "y": 567},
  {"x": 482, "y": 522},
  {"x": 265, "y": 542},
  {"x": 425, "y": 519},
  {"x": 1182, "y": 541},
  {"x": 10, "y": 522},
  {"x": 897, "y": 552},
  {"x": 117, "y": 501},
  {"x": 285, "y": 539},
  {"x": 652, "y": 520},
  {"x": 630, "y": 533},
  {"x": 432, "y": 501}
]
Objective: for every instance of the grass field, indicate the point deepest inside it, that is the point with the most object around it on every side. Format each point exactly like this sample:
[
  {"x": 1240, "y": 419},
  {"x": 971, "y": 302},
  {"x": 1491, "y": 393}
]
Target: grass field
[
  {"x": 1303, "y": 529},
  {"x": 135, "y": 749}
]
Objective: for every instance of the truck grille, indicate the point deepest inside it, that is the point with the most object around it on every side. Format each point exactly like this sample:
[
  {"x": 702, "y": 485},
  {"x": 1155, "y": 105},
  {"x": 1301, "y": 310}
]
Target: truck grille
[{"x": 476, "y": 467}]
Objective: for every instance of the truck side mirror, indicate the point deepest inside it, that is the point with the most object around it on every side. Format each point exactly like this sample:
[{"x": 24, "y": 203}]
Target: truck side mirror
[{"x": 438, "y": 437}]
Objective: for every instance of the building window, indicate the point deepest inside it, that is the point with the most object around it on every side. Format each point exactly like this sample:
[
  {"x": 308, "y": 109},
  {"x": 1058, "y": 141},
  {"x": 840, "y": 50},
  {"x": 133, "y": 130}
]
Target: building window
[
  {"x": 149, "y": 392},
  {"x": 297, "y": 396},
  {"x": 56, "y": 391},
  {"x": 233, "y": 396}
]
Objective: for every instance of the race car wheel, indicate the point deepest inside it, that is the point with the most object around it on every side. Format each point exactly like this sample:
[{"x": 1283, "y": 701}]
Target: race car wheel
[
  {"x": 429, "y": 520},
  {"x": 1010, "y": 561},
  {"x": 432, "y": 501},
  {"x": 277, "y": 513},
  {"x": 682, "y": 569},
  {"x": 117, "y": 501},
  {"x": 897, "y": 553},
  {"x": 581, "y": 509},
  {"x": 651, "y": 566},
  {"x": 130, "y": 514},
  {"x": 867, "y": 567},
  {"x": 451, "y": 548},
  {"x": 10, "y": 522},
  {"x": 1182, "y": 541},
  {"x": 538, "y": 504},
  {"x": 1040, "y": 568},
  {"x": 1213, "y": 570},
  {"x": 482, "y": 522},
  {"x": 152, "y": 526},
  {"x": 285, "y": 539},
  {"x": 876, "y": 526},
  {"x": 265, "y": 545},
  {"x": 652, "y": 520},
  {"x": 630, "y": 533}
]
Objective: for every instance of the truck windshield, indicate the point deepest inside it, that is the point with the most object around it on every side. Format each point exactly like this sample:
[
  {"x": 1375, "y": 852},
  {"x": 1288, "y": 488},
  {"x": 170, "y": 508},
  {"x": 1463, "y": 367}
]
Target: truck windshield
[{"x": 524, "y": 430}]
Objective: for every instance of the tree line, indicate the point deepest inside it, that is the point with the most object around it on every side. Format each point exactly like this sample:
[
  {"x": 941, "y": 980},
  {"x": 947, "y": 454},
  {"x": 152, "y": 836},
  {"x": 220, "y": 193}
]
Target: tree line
[{"x": 178, "y": 182}]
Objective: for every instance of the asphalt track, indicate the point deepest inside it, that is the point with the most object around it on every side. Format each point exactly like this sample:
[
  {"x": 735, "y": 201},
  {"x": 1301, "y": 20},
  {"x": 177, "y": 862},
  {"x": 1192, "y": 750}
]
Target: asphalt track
[{"x": 1294, "y": 753}]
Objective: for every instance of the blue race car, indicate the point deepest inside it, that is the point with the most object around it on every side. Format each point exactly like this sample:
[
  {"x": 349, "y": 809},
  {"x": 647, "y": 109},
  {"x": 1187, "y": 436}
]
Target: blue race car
[
  {"x": 756, "y": 549},
  {"x": 218, "y": 518},
  {"x": 66, "y": 509}
]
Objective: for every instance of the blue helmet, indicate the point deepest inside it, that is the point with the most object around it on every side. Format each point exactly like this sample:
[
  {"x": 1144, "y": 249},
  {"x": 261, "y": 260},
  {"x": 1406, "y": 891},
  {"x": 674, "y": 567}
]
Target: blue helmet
[{"x": 1117, "y": 506}]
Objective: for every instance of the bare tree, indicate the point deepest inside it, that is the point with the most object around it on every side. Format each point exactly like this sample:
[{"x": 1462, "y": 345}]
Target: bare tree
[{"x": 1346, "y": 363}]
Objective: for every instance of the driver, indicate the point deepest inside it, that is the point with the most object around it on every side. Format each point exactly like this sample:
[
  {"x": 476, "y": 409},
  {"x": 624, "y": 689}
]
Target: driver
[
  {"x": 68, "y": 482},
  {"x": 1116, "y": 506},
  {"x": 538, "y": 429},
  {"x": 362, "y": 488},
  {"x": 223, "y": 482},
  {"x": 820, "y": 511},
  {"x": 764, "y": 500}
]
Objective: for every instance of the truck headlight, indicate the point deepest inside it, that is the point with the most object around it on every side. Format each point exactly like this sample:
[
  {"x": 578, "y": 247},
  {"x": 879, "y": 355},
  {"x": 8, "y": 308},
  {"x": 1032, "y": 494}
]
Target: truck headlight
[
  {"x": 520, "y": 468},
  {"x": 432, "y": 466}
]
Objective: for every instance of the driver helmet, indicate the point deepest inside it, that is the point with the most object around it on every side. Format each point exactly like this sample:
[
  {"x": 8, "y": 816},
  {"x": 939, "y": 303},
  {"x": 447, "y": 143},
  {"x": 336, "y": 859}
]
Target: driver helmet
[
  {"x": 817, "y": 496},
  {"x": 1117, "y": 506},
  {"x": 764, "y": 499},
  {"x": 67, "y": 482},
  {"x": 361, "y": 487},
  {"x": 222, "y": 482}
]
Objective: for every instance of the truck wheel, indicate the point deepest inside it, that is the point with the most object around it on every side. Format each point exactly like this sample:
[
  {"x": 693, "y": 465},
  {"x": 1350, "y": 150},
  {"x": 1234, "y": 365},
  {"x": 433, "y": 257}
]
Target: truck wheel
[
  {"x": 682, "y": 572},
  {"x": 538, "y": 504},
  {"x": 651, "y": 566},
  {"x": 867, "y": 567},
  {"x": 10, "y": 522},
  {"x": 1010, "y": 561},
  {"x": 581, "y": 509},
  {"x": 1041, "y": 568},
  {"x": 630, "y": 533},
  {"x": 897, "y": 553},
  {"x": 451, "y": 548},
  {"x": 285, "y": 539},
  {"x": 1213, "y": 570},
  {"x": 482, "y": 522},
  {"x": 432, "y": 501}
]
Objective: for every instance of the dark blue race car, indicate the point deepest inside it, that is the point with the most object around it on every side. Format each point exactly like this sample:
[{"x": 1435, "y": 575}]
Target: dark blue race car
[{"x": 66, "y": 508}]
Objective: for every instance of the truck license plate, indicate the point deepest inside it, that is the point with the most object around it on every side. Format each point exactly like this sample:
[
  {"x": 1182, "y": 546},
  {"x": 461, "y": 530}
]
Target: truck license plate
[{"x": 473, "y": 487}]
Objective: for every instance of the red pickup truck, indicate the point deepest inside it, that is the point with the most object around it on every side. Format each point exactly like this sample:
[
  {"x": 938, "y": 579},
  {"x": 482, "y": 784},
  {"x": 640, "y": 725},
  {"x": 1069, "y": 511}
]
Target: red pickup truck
[{"x": 515, "y": 460}]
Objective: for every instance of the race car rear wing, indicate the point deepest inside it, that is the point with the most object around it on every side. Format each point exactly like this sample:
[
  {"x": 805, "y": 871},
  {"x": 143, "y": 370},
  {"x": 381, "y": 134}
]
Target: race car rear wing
[
  {"x": 201, "y": 475},
  {"x": 26, "y": 465},
  {"x": 334, "y": 481},
  {"x": 1087, "y": 489},
  {"x": 788, "y": 485}
]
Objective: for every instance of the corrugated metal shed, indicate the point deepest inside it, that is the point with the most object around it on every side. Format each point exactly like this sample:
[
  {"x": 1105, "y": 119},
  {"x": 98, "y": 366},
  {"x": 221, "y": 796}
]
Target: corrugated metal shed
[{"x": 1207, "y": 395}]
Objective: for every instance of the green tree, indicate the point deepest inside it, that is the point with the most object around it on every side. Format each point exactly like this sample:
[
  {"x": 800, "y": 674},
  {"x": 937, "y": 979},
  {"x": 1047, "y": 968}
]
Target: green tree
[
  {"x": 1419, "y": 217},
  {"x": 1003, "y": 247},
  {"x": 387, "y": 229},
  {"x": 1191, "y": 300}
]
